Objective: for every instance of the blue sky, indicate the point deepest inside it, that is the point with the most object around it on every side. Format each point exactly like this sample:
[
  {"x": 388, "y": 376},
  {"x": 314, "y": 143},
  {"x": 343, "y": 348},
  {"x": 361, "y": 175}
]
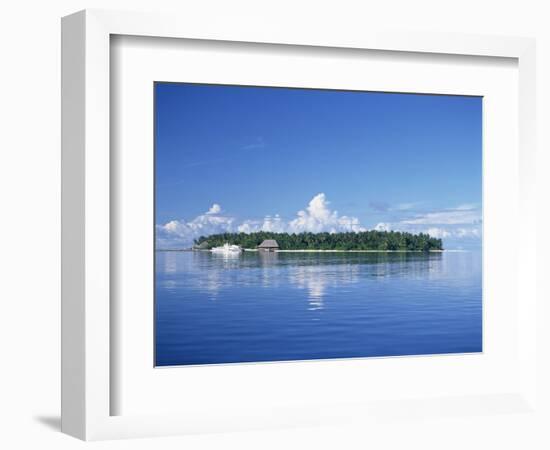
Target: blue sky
[{"x": 247, "y": 158}]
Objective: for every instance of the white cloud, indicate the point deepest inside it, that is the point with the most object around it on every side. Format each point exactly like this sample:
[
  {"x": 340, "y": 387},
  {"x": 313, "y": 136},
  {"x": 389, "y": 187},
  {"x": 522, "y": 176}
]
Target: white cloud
[
  {"x": 438, "y": 233},
  {"x": 382, "y": 226},
  {"x": 466, "y": 207},
  {"x": 466, "y": 214},
  {"x": 474, "y": 232},
  {"x": 249, "y": 226},
  {"x": 433, "y": 231},
  {"x": 178, "y": 233},
  {"x": 460, "y": 223},
  {"x": 449, "y": 230},
  {"x": 405, "y": 206},
  {"x": 214, "y": 209},
  {"x": 447, "y": 217},
  {"x": 273, "y": 224},
  {"x": 316, "y": 217}
]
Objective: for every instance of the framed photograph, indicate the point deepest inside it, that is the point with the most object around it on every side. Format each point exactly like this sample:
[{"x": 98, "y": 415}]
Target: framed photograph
[
  {"x": 267, "y": 228},
  {"x": 244, "y": 272}
]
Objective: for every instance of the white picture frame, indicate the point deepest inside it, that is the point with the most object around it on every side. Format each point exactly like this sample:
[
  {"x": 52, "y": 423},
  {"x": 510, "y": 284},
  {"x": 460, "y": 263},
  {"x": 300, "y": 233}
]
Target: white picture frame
[{"x": 87, "y": 386}]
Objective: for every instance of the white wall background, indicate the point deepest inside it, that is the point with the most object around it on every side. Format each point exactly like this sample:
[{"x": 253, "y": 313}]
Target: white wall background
[{"x": 29, "y": 227}]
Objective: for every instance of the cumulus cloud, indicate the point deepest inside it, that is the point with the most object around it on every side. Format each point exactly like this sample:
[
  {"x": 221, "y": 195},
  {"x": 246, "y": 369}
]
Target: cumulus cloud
[
  {"x": 316, "y": 217},
  {"x": 214, "y": 209},
  {"x": 181, "y": 233},
  {"x": 382, "y": 226},
  {"x": 274, "y": 224},
  {"x": 438, "y": 233},
  {"x": 460, "y": 223}
]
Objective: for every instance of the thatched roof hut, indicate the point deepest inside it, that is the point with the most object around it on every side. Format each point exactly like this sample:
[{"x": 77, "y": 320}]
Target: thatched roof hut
[{"x": 269, "y": 245}]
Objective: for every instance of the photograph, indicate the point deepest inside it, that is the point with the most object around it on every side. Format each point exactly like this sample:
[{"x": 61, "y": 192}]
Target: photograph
[{"x": 296, "y": 224}]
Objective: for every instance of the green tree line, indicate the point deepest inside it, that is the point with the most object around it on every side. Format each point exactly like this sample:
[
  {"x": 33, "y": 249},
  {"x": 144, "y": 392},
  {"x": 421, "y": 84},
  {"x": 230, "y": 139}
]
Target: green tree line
[{"x": 365, "y": 240}]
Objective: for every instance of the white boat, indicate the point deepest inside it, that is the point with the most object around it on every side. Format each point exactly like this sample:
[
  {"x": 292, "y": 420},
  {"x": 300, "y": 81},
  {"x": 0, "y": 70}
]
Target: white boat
[{"x": 227, "y": 249}]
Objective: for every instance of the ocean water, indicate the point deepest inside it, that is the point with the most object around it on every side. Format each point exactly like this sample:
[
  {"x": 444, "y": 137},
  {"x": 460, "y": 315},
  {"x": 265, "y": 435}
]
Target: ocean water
[{"x": 257, "y": 307}]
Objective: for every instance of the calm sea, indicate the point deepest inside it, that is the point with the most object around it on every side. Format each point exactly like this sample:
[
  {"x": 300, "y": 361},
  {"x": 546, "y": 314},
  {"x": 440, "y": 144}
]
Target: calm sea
[{"x": 296, "y": 306}]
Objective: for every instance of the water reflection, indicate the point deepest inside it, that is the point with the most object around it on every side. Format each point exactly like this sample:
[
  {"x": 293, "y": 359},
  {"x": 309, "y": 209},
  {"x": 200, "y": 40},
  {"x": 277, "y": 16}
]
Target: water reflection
[
  {"x": 316, "y": 279},
  {"x": 170, "y": 261},
  {"x": 288, "y": 306},
  {"x": 267, "y": 259},
  {"x": 316, "y": 273}
]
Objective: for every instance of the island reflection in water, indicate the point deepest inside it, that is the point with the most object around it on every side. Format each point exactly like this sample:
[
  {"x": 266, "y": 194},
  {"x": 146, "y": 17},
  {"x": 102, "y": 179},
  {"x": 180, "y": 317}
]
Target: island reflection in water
[{"x": 293, "y": 306}]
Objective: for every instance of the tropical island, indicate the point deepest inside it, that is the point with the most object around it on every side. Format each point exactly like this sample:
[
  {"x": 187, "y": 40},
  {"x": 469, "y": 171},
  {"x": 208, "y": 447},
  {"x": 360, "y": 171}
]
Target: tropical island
[{"x": 350, "y": 241}]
